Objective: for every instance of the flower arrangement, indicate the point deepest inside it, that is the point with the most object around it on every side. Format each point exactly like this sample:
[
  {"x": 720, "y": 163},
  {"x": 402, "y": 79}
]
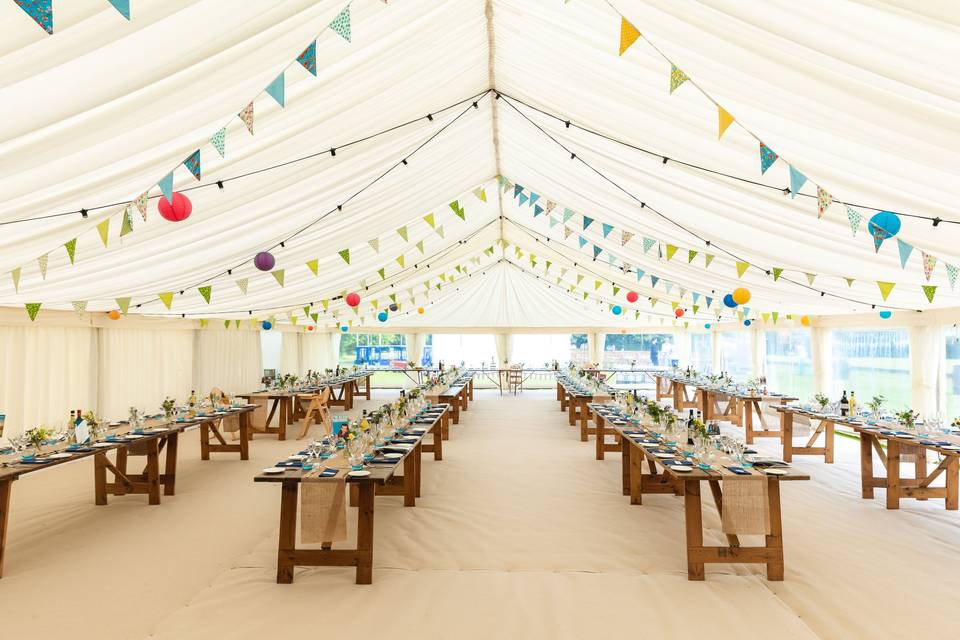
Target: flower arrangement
[
  {"x": 37, "y": 436},
  {"x": 698, "y": 428},
  {"x": 908, "y": 417},
  {"x": 956, "y": 423},
  {"x": 821, "y": 400},
  {"x": 654, "y": 410},
  {"x": 876, "y": 404},
  {"x": 167, "y": 405}
]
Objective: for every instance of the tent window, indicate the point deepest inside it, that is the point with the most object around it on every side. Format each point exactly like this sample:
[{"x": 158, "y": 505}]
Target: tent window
[
  {"x": 701, "y": 351},
  {"x": 871, "y": 363},
  {"x": 952, "y": 338},
  {"x": 629, "y": 350},
  {"x": 579, "y": 349},
  {"x": 374, "y": 349},
  {"x": 789, "y": 362},
  {"x": 540, "y": 350}
]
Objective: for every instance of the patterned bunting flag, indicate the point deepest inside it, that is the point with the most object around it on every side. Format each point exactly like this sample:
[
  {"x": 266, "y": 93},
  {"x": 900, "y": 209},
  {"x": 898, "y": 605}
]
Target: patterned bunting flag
[
  {"x": 205, "y": 292},
  {"x": 905, "y": 251},
  {"x": 458, "y": 210},
  {"x": 607, "y": 228},
  {"x": 308, "y": 58},
  {"x": 242, "y": 285},
  {"x": 313, "y": 265},
  {"x": 742, "y": 268},
  {"x": 402, "y": 231},
  {"x": 824, "y": 200},
  {"x": 278, "y": 276},
  {"x": 141, "y": 203},
  {"x": 671, "y": 250},
  {"x": 677, "y": 77},
  {"x": 246, "y": 115},
  {"x": 648, "y": 244},
  {"x": 124, "y": 304},
  {"x": 854, "y": 217},
  {"x": 691, "y": 254},
  {"x": 797, "y": 180},
  {"x": 277, "y": 89},
  {"x": 166, "y": 297},
  {"x": 42, "y": 263},
  {"x": 126, "y": 225},
  {"x": 929, "y": 262},
  {"x": 345, "y": 254},
  {"x": 123, "y": 6},
  {"x": 879, "y": 235},
  {"x": 566, "y": 232},
  {"x": 71, "y": 247},
  {"x": 929, "y": 290},
  {"x": 374, "y": 244},
  {"x": 79, "y": 306},
  {"x": 724, "y": 119},
  {"x": 15, "y": 274},
  {"x": 952, "y": 272},
  {"x": 219, "y": 142},
  {"x": 382, "y": 272},
  {"x": 341, "y": 24},
  {"x": 628, "y": 35},
  {"x": 33, "y": 308},
  {"x": 625, "y": 238},
  {"x": 767, "y": 157},
  {"x": 885, "y": 288},
  {"x": 41, "y": 11}
]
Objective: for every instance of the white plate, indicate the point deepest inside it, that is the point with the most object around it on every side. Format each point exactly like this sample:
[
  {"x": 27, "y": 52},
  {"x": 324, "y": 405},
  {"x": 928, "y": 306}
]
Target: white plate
[
  {"x": 401, "y": 445},
  {"x": 60, "y": 456},
  {"x": 274, "y": 470},
  {"x": 951, "y": 447},
  {"x": 681, "y": 467},
  {"x": 359, "y": 474},
  {"x": 132, "y": 436},
  {"x": 297, "y": 456},
  {"x": 664, "y": 455},
  {"x": 776, "y": 472},
  {"x": 393, "y": 456},
  {"x": 103, "y": 445}
]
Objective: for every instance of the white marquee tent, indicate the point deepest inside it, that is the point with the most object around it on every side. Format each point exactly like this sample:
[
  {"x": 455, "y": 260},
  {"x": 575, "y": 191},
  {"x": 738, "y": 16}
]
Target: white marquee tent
[{"x": 502, "y": 165}]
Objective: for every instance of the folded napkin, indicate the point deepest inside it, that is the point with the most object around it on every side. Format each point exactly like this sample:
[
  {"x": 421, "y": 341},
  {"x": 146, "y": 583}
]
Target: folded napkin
[
  {"x": 327, "y": 473},
  {"x": 396, "y": 450},
  {"x": 740, "y": 471},
  {"x": 935, "y": 443},
  {"x": 746, "y": 507},
  {"x": 384, "y": 461},
  {"x": 289, "y": 463},
  {"x": 36, "y": 461}
]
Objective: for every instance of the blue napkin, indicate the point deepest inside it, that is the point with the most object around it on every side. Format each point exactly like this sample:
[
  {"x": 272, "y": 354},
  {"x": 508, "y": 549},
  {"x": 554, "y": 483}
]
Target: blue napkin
[
  {"x": 936, "y": 443},
  {"x": 327, "y": 473},
  {"x": 289, "y": 463},
  {"x": 682, "y": 463},
  {"x": 36, "y": 461},
  {"x": 740, "y": 471},
  {"x": 383, "y": 461}
]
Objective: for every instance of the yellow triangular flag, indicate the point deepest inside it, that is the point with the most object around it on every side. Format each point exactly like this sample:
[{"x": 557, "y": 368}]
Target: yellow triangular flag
[
  {"x": 429, "y": 220},
  {"x": 15, "y": 274},
  {"x": 885, "y": 288},
  {"x": 124, "y": 304},
  {"x": 166, "y": 298},
  {"x": 104, "y": 228},
  {"x": 278, "y": 275},
  {"x": 725, "y": 120},
  {"x": 671, "y": 249},
  {"x": 400, "y": 260},
  {"x": 628, "y": 34},
  {"x": 312, "y": 265},
  {"x": 742, "y": 268}
]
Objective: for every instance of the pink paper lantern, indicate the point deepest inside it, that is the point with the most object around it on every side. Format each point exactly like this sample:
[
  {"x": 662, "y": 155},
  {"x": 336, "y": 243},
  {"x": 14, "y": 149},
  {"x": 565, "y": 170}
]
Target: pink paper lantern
[
  {"x": 632, "y": 296},
  {"x": 353, "y": 299},
  {"x": 177, "y": 210}
]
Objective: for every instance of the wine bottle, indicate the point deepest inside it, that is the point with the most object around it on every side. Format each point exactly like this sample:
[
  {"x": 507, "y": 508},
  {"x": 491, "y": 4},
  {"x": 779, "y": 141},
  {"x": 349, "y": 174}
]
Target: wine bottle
[{"x": 844, "y": 404}]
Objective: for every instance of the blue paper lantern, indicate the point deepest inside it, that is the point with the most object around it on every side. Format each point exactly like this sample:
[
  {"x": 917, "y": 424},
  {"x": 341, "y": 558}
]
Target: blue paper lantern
[
  {"x": 382, "y": 316},
  {"x": 266, "y": 325},
  {"x": 616, "y": 310},
  {"x": 747, "y": 323},
  {"x": 728, "y": 301},
  {"x": 886, "y": 314},
  {"x": 888, "y": 221},
  {"x": 343, "y": 328},
  {"x": 706, "y": 326}
]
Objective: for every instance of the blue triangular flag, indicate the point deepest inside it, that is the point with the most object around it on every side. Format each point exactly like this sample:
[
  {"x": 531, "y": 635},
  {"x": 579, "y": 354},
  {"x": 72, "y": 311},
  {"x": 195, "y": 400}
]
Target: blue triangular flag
[
  {"x": 746, "y": 311},
  {"x": 276, "y": 89},
  {"x": 596, "y": 251},
  {"x": 123, "y": 6},
  {"x": 553, "y": 222},
  {"x": 607, "y": 228},
  {"x": 696, "y": 297},
  {"x": 166, "y": 186},
  {"x": 522, "y": 198},
  {"x": 309, "y": 58},
  {"x": 905, "y": 251},
  {"x": 567, "y": 214},
  {"x": 654, "y": 280},
  {"x": 709, "y": 301},
  {"x": 797, "y": 180},
  {"x": 587, "y": 222},
  {"x": 611, "y": 258},
  {"x": 341, "y": 24},
  {"x": 668, "y": 285},
  {"x": 537, "y": 210},
  {"x": 767, "y": 157},
  {"x": 40, "y": 10},
  {"x": 534, "y": 197},
  {"x": 640, "y": 274},
  {"x": 517, "y": 190},
  {"x": 583, "y": 241}
]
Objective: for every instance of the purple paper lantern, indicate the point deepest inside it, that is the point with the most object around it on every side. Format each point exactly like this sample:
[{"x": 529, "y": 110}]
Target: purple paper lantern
[{"x": 264, "y": 261}]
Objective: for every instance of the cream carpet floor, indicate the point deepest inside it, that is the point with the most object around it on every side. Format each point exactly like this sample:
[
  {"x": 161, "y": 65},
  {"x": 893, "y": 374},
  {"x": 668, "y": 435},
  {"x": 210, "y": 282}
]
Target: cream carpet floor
[{"x": 520, "y": 533}]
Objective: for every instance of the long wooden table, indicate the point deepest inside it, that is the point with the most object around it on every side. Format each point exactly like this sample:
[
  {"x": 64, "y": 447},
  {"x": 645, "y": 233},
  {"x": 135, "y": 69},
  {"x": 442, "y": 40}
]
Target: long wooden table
[
  {"x": 575, "y": 401},
  {"x": 157, "y": 444},
  {"x": 457, "y": 394},
  {"x": 604, "y": 414},
  {"x": 382, "y": 481},
  {"x": 639, "y": 445},
  {"x": 898, "y": 443}
]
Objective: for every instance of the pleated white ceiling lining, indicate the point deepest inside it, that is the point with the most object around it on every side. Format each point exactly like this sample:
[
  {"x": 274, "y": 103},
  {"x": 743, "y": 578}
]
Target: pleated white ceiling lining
[{"x": 862, "y": 97}]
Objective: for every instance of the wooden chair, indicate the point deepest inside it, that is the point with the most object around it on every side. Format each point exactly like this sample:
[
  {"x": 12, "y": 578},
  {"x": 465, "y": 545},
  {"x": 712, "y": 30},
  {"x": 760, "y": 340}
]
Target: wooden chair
[
  {"x": 515, "y": 379},
  {"x": 315, "y": 406}
]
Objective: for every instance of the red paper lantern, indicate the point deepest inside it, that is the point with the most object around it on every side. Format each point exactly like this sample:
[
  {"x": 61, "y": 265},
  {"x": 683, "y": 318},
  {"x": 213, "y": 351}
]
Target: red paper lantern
[
  {"x": 310, "y": 327},
  {"x": 176, "y": 211},
  {"x": 632, "y": 296},
  {"x": 678, "y": 313},
  {"x": 353, "y": 299}
]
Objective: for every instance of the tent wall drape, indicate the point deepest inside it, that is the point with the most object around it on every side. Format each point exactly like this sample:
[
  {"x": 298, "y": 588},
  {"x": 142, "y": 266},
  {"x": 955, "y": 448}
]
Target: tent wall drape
[
  {"x": 315, "y": 352},
  {"x": 416, "y": 343},
  {"x": 820, "y": 350},
  {"x": 229, "y": 360},
  {"x": 758, "y": 349},
  {"x": 141, "y": 367},
  {"x": 44, "y": 373},
  {"x": 290, "y": 353},
  {"x": 927, "y": 368},
  {"x": 503, "y": 343}
]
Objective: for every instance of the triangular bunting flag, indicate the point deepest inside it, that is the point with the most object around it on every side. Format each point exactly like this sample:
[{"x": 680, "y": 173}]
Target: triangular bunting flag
[
  {"x": 707, "y": 259},
  {"x": 553, "y": 222},
  {"x": 625, "y": 238},
  {"x": 277, "y": 89},
  {"x": 124, "y": 304},
  {"x": 402, "y": 231},
  {"x": 628, "y": 34},
  {"x": 313, "y": 265},
  {"x": 419, "y": 246},
  {"x": 952, "y": 272},
  {"x": 374, "y": 244},
  {"x": 905, "y": 251},
  {"x": 440, "y": 231},
  {"x": 776, "y": 273},
  {"x": 648, "y": 244},
  {"x": 382, "y": 272},
  {"x": 587, "y": 222},
  {"x": 42, "y": 13},
  {"x": 607, "y": 228},
  {"x": 79, "y": 306},
  {"x": 192, "y": 163},
  {"x": 308, "y": 58},
  {"x": 811, "y": 277},
  {"x": 654, "y": 280},
  {"x": 582, "y": 241},
  {"x": 567, "y": 214},
  {"x": 929, "y": 263},
  {"x": 677, "y": 77},
  {"x": 242, "y": 285},
  {"x": 246, "y": 115},
  {"x": 458, "y": 210},
  {"x": 767, "y": 158},
  {"x": 824, "y": 200},
  {"x": 929, "y": 290},
  {"x": 33, "y": 308},
  {"x": 15, "y": 274},
  {"x": 42, "y": 263},
  {"x": 671, "y": 250},
  {"x": 166, "y": 298},
  {"x": 166, "y": 186},
  {"x": 854, "y": 217},
  {"x": 850, "y": 281},
  {"x": 885, "y": 288},
  {"x": 742, "y": 268},
  {"x": 596, "y": 251},
  {"x": 400, "y": 260},
  {"x": 141, "y": 203},
  {"x": 481, "y": 194},
  {"x": 278, "y": 276},
  {"x": 71, "y": 247},
  {"x": 797, "y": 180},
  {"x": 123, "y": 6},
  {"x": 725, "y": 120},
  {"x": 219, "y": 142},
  {"x": 341, "y": 24},
  {"x": 566, "y": 232},
  {"x": 205, "y": 292},
  {"x": 345, "y": 254},
  {"x": 429, "y": 220}
]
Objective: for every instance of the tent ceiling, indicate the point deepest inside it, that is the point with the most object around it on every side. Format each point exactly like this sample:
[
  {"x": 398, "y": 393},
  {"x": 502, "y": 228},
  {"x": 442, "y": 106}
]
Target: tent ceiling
[{"x": 865, "y": 103}]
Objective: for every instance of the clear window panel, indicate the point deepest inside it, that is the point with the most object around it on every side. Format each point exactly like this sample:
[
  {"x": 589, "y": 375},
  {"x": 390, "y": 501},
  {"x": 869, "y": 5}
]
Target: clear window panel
[
  {"x": 871, "y": 363},
  {"x": 952, "y": 339},
  {"x": 789, "y": 363},
  {"x": 736, "y": 357},
  {"x": 579, "y": 350},
  {"x": 637, "y": 350},
  {"x": 473, "y": 349},
  {"x": 372, "y": 349},
  {"x": 701, "y": 352},
  {"x": 537, "y": 351}
]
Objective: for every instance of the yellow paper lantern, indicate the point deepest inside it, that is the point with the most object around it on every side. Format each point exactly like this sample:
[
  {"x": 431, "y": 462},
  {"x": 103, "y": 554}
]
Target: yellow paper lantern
[
  {"x": 114, "y": 315},
  {"x": 741, "y": 295},
  {"x": 420, "y": 310},
  {"x": 805, "y": 321}
]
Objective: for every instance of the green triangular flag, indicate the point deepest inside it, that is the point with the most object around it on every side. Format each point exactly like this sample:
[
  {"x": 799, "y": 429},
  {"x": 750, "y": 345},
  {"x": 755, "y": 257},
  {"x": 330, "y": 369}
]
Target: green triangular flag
[
  {"x": 315, "y": 317},
  {"x": 124, "y": 304},
  {"x": 33, "y": 308},
  {"x": 481, "y": 194},
  {"x": 226, "y": 324},
  {"x": 400, "y": 260},
  {"x": 742, "y": 268},
  {"x": 15, "y": 274},
  {"x": 374, "y": 244},
  {"x": 341, "y": 24},
  {"x": 345, "y": 254},
  {"x": 929, "y": 290},
  {"x": 313, "y": 265},
  {"x": 382, "y": 272},
  {"x": 776, "y": 273},
  {"x": 691, "y": 254},
  {"x": 104, "y": 228},
  {"x": 811, "y": 277},
  {"x": 236, "y": 323},
  {"x": 71, "y": 247},
  {"x": 885, "y": 288},
  {"x": 707, "y": 259},
  {"x": 278, "y": 275},
  {"x": 166, "y": 298},
  {"x": 429, "y": 220},
  {"x": 420, "y": 246},
  {"x": 205, "y": 292},
  {"x": 849, "y": 281},
  {"x": 127, "y": 225},
  {"x": 671, "y": 250},
  {"x": 403, "y": 232}
]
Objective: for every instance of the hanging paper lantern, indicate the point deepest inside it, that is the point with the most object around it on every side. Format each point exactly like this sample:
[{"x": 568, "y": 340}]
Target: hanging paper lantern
[
  {"x": 264, "y": 261},
  {"x": 805, "y": 321},
  {"x": 266, "y": 325},
  {"x": 706, "y": 326},
  {"x": 616, "y": 309},
  {"x": 886, "y": 314},
  {"x": 747, "y": 323},
  {"x": 176, "y": 211},
  {"x": 343, "y": 328},
  {"x": 632, "y": 296},
  {"x": 887, "y": 221},
  {"x": 678, "y": 312},
  {"x": 310, "y": 327},
  {"x": 420, "y": 310},
  {"x": 741, "y": 296},
  {"x": 353, "y": 299},
  {"x": 382, "y": 316},
  {"x": 114, "y": 315},
  {"x": 394, "y": 307},
  {"x": 728, "y": 301}
]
